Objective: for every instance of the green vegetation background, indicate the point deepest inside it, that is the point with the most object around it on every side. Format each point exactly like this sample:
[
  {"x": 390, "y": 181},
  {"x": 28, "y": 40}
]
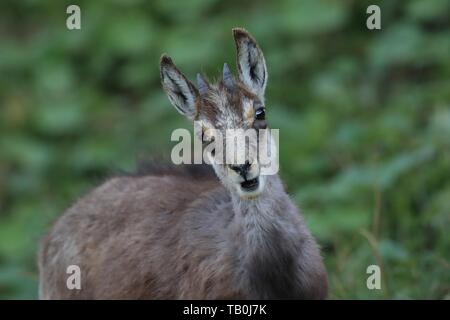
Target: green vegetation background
[{"x": 364, "y": 118}]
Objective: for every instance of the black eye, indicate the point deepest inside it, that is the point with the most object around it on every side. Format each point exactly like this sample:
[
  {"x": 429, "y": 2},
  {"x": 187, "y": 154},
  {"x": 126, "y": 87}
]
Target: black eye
[
  {"x": 213, "y": 151},
  {"x": 207, "y": 142},
  {"x": 260, "y": 113}
]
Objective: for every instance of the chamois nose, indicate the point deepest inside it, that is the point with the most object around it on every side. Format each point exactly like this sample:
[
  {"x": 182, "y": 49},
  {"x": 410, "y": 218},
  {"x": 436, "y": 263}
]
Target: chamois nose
[{"x": 241, "y": 169}]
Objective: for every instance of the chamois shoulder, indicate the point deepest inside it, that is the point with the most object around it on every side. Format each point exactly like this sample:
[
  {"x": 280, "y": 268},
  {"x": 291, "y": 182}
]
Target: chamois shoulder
[
  {"x": 153, "y": 184},
  {"x": 194, "y": 171},
  {"x": 158, "y": 177}
]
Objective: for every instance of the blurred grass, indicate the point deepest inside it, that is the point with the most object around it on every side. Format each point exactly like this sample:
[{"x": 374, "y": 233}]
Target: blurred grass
[{"x": 364, "y": 118}]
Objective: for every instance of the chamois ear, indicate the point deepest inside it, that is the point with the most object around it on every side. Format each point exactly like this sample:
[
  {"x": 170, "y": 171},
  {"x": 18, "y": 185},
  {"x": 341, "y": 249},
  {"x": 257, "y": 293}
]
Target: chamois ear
[
  {"x": 251, "y": 65},
  {"x": 181, "y": 92}
]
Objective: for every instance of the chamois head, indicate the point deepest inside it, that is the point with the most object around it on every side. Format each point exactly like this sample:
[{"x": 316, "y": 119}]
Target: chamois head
[{"x": 231, "y": 103}]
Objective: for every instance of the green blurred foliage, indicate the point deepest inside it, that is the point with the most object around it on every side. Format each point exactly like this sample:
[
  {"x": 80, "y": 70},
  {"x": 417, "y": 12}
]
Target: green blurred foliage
[{"x": 364, "y": 118}]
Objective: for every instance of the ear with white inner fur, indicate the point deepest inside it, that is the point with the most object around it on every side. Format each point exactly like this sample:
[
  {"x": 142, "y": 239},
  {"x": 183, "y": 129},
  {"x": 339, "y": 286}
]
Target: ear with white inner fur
[
  {"x": 251, "y": 65},
  {"x": 181, "y": 92}
]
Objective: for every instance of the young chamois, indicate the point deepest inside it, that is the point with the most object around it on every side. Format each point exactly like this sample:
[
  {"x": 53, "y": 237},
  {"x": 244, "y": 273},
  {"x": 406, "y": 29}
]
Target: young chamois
[{"x": 182, "y": 234}]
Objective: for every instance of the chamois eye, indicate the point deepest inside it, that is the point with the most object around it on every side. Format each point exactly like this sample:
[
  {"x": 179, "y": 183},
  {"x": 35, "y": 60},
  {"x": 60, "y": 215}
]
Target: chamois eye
[
  {"x": 207, "y": 142},
  {"x": 260, "y": 113},
  {"x": 203, "y": 137},
  {"x": 213, "y": 151}
]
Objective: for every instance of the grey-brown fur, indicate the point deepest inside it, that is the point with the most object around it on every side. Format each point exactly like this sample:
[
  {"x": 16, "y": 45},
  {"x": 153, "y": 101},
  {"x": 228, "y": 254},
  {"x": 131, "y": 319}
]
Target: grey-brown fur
[{"x": 181, "y": 234}]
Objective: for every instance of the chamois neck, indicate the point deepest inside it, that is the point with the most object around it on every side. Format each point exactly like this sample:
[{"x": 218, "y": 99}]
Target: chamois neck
[
  {"x": 264, "y": 219},
  {"x": 268, "y": 243}
]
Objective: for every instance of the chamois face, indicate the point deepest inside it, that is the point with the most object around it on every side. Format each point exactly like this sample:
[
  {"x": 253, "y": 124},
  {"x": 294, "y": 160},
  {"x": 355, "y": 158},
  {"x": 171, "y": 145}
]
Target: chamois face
[{"x": 221, "y": 108}]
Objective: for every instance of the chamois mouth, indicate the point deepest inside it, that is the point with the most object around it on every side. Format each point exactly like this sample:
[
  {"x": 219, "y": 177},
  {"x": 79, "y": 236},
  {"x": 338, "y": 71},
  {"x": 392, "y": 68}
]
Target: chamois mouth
[{"x": 250, "y": 185}]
